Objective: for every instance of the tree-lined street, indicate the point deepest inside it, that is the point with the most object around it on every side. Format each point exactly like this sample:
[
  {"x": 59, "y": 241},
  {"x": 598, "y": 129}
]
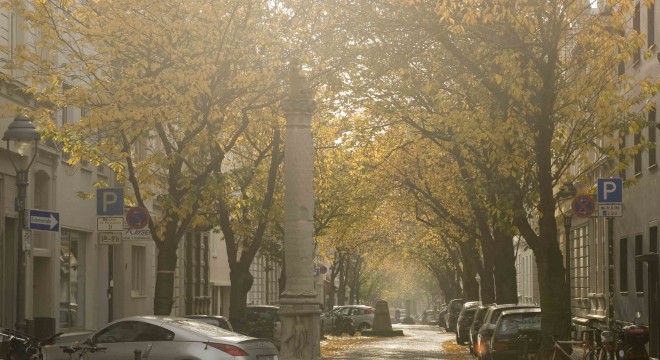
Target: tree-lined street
[{"x": 313, "y": 154}]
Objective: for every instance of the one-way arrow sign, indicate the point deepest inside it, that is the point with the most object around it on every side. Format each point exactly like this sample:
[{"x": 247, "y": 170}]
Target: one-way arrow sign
[{"x": 44, "y": 220}]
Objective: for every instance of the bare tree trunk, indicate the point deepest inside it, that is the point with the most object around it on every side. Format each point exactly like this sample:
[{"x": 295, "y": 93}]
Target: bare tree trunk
[
  {"x": 506, "y": 286},
  {"x": 165, "y": 266},
  {"x": 241, "y": 283}
]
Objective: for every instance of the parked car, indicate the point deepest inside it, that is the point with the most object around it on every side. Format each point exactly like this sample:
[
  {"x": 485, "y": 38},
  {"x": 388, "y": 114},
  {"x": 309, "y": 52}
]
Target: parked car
[
  {"x": 453, "y": 309},
  {"x": 477, "y": 321},
  {"x": 464, "y": 321},
  {"x": 482, "y": 346},
  {"x": 215, "y": 320},
  {"x": 170, "y": 338},
  {"x": 441, "y": 316},
  {"x": 361, "y": 315},
  {"x": 429, "y": 317},
  {"x": 506, "y": 342},
  {"x": 264, "y": 322}
]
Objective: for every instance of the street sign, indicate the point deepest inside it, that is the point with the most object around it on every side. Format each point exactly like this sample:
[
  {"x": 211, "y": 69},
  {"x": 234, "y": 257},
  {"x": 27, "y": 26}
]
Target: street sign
[
  {"x": 137, "y": 217},
  {"x": 610, "y": 210},
  {"x": 610, "y": 190},
  {"x": 110, "y": 201},
  {"x": 137, "y": 234},
  {"x": 110, "y": 223},
  {"x": 43, "y": 220},
  {"x": 110, "y": 237},
  {"x": 583, "y": 206}
]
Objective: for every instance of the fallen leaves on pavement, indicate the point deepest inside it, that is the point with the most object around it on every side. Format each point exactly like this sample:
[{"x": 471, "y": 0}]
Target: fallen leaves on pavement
[
  {"x": 460, "y": 351},
  {"x": 334, "y": 345}
]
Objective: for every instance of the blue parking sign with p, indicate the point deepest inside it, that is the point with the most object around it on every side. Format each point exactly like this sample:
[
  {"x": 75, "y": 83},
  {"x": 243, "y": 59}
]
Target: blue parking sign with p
[
  {"x": 110, "y": 201},
  {"x": 610, "y": 190}
]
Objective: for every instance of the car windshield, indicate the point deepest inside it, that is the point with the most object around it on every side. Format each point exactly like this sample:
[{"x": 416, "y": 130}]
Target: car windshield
[
  {"x": 202, "y": 328},
  {"x": 511, "y": 325}
]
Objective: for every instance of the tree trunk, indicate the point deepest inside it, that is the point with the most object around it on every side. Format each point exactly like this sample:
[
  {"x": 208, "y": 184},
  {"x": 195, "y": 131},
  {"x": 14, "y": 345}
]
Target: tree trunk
[
  {"x": 164, "y": 292},
  {"x": 506, "y": 286},
  {"x": 341, "y": 292},
  {"x": 470, "y": 255},
  {"x": 241, "y": 283}
]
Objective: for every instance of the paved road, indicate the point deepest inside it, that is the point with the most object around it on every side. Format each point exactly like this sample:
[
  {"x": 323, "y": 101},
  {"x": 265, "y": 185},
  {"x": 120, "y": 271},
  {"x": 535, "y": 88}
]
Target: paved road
[{"x": 420, "y": 342}]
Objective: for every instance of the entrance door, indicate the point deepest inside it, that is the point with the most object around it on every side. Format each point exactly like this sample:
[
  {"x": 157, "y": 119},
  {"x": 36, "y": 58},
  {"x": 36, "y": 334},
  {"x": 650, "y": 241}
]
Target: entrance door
[{"x": 42, "y": 293}]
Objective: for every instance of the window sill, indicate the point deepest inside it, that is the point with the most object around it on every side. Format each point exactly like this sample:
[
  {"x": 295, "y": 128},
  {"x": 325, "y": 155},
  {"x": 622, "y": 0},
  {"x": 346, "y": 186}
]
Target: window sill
[
  {"x": 653, "y": 166},
  {"x": 137, "y": 295},
  {"x": 640, "y": 293},
  {"x": 623, "y": 293}
]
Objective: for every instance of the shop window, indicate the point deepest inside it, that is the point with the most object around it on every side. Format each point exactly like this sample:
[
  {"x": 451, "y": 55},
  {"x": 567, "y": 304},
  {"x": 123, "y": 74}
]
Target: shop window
[
  {"x": 653, "y": 239},
  {"x": 72, "y": 279}
]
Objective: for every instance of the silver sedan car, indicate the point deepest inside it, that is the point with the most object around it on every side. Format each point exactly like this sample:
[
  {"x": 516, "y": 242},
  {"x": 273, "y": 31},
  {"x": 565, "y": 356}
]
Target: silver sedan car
[{"x": 169, "y": 338}]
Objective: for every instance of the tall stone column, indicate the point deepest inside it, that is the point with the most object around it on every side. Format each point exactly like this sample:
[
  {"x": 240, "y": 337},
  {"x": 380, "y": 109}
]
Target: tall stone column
[{"x": 299, "y": 307}]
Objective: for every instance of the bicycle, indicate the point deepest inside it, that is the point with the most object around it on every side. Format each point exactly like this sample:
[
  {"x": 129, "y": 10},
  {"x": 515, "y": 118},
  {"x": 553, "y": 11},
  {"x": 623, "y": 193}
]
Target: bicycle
[
  {"x": 529, "y": 341},
  {"x": 557, "y": 348},
  {"x": 591, "y": 343},
  {"x": 81, "y": 350},
  {"x": 26, "y": 347}
]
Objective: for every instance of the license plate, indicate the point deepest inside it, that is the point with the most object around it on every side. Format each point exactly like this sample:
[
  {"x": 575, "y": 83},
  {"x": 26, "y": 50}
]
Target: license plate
[{"x": 267, "y": 357}]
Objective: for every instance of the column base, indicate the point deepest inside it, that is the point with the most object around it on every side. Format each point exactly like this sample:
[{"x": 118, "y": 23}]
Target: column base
[{"x": 301, "y": 327}]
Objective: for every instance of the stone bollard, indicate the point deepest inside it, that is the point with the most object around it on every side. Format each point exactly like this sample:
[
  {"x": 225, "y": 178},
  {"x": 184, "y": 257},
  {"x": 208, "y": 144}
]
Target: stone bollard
[
  {"x": 382, "y": 323},
  {"x": 382, "y": 320}
]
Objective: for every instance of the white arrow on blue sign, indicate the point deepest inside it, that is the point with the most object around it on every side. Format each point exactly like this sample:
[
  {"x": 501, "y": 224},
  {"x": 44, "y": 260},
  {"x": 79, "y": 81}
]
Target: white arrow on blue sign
[
  {"x": 44, "y": 220},
  {"x": 610, "y": 190}
]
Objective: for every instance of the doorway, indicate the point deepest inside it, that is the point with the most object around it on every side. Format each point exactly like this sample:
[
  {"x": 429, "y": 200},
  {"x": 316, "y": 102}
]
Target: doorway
[{"x": 42, "y": 293}]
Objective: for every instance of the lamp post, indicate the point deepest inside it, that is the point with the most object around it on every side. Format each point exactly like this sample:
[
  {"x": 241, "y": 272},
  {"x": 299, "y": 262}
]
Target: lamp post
[
  {"x": 24, "y": 134},
  {"x": 567, "y": 191}
]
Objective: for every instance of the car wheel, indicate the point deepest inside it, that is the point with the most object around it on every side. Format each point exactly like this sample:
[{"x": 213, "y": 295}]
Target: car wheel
[{"x": 363, "y": 326}]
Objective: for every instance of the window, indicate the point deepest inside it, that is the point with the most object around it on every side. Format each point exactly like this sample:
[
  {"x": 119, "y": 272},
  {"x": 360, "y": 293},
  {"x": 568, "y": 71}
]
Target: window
[
  {"x": 638, "y": 154},
  {"x": 650, "y": 20},
  {"x": 72, "y": 279},
  {"x": 67, "y": 116},
  {"x": 653, "y": 239},
  {"x": 138, "y": 261},
  {"x": 579, "y": 264},
  {"x": 637, "y": 28},
  {"x": 132, "y": 331},
  {"x": 652, "y": 143},
  {"x": 639, "y": 266},
  {"x": 197, "y": 284},
  {"x": 623, "y": 265},
  {"x": 622, "y": 155}
]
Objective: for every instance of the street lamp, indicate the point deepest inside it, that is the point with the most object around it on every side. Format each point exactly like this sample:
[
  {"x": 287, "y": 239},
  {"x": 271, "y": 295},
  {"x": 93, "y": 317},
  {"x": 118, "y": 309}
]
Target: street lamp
[
  {"x": 24, "y": 134},
  {"x": 566, "y": 192}
]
